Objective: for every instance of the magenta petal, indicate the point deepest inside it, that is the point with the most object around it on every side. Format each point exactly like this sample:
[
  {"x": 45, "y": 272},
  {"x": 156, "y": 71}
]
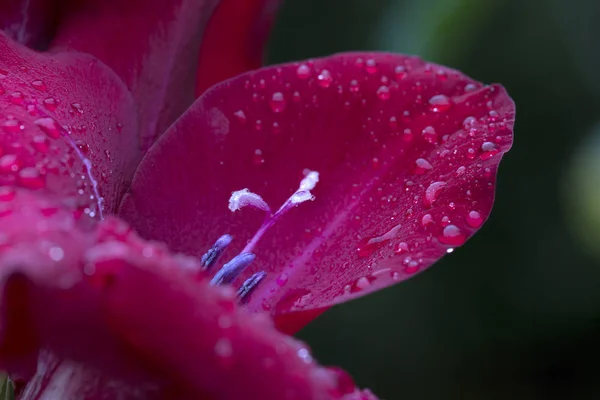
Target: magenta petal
[
  {"x": 105, "y": 308},
  {"x": 153, "y": 46},
  {"x": 234, "y": 40},
  {"x": 407, "y": 152},
  {"x": 66, "y": 127}
]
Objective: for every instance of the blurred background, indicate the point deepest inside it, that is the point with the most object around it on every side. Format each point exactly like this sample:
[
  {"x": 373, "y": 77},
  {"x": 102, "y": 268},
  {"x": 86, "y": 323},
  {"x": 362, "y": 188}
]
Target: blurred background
[{"x": 515, "y": 313}]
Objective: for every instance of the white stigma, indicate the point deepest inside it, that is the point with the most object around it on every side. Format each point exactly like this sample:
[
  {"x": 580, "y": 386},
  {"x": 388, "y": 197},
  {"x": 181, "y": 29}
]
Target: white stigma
[{"x": 242, "y": 198}]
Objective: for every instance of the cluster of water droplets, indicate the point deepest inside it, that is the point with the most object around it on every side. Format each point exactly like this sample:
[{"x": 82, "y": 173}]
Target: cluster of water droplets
[
  {"x": 425, "y": 137},
  {"x": 36, "y": 152}
]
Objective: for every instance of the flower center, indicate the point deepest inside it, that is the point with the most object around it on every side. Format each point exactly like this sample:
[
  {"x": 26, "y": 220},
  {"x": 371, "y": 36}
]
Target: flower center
[{"x": 238, "y": 264}]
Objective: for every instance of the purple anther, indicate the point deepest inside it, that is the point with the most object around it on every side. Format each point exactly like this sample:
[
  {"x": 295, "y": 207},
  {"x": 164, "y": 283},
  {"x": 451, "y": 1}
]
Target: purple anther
[
  {"x": 232, "y": 269},
  {"x": 248, "y": 286},
  {"x": 212, "y": 255}
]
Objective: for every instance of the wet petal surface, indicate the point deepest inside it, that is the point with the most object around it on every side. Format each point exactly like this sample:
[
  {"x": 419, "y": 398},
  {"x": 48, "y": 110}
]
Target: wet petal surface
[
  {"x": 103, "y": 312},
  {"x": 67, "y": 128},
  {"x": 407, "y": 153}
]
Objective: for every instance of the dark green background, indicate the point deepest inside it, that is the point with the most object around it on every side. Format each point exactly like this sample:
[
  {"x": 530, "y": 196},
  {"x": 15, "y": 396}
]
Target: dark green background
[{"x": 514, "y": 313}]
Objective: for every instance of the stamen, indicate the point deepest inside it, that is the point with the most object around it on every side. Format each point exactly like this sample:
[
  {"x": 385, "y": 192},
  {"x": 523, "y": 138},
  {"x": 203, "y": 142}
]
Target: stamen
[
  {"x": 214, "y": 253},
  {"x": 244, "y": 197},
  {"x": 232, "y": 269},
  {"x": 248, "y": 286}
]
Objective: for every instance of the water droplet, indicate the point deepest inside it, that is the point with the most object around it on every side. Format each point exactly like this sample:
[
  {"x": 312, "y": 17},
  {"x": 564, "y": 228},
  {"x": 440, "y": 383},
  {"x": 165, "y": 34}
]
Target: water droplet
[
  {"x": 400, "y": 72},
  {"x": 469, "y": 87},
  {"x": 401, "y": 248},
  {"x": 429, "y": 134},
  {"x": 452, "y": 235},
  {"x": 440, "y": 103},
  {"x": 50, "y": 103},
  {"x": 325, "y": 79},
  {"x": 383, "y": 92},
  {"x": 30, "y": 178},
  {"x": 393, "y": 123},
  {"x": 39, "y": 85},
  {"x": 407, "y": 136},
  {"x": 240, "y": 116},
  {"x": 354, "y": 86},
  {"x": 77, "y": 108},
  {"x": 474, "y": 219},
  {"x": 16, "y": 97},
  {"x": 277, "y": 102},
  {"x": 426, "y": 220},
  {"x": 303, "y": 71},
  {"x": 12, "y": 126},
  {"x": 489, "y": 150},
  {"x": 40, "y": 143},
  {"x": 363, "y": 283},
  {"x": 258, "y": 158},
  {"x": 432, "y": 192},
  {"x": 471, "y": 153},
  {"x": 422, "y": 166},
  {"x": 10, "y": 163},
  {"x": 371, "y": 66},
  {"x": 49, "y": 127}
]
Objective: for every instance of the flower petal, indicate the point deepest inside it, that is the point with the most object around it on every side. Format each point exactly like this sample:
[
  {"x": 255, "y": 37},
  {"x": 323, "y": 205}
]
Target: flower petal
[
  {"x": 153, "y": 47},
  {"x": 234, "y": 40},
  {"x": 407, "y": 153},
  {"x": 106, "y": 308},
  {"x": 61, "y": 116}
]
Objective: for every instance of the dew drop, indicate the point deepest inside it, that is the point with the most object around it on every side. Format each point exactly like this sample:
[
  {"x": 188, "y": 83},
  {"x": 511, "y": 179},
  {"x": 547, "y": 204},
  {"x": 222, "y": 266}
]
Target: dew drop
[
  {"x": 324, "y": 79},
  {"x": 422, "y": 166},
  {"x": 258, "y": 158},
  {"x": 303, "y": 71},
  {"x": 407, "y": 136},
  {"x": 12, "y": 126},
  {"x": 429, "y": 134},
  {"x": 440, "y": 103},
  {"x": 432, "y": 192},
  {"x": 400, "y": 72},
  {"x": 50, "y": 103},
  {"x": 383, "y": 92},
  {"x": 426, "y": 220},
  {"x": 363, "y": 283},
  {"x": 30, "y": 178},
  {"x": 49, "y": 127},
  {"x": 452, "y": 235},
  {"x": 401, "y": 248},
  {"x": 40, "y": 143},
  {"x": 277, "y": 102},
  {"x": 16, "y": 97},
  {"x": 371, "y": 66},
  {"x": 489, "y": 150},
  {"x": 354, "y": 86},
  {"x": 240, "y": 116},
  {"x": 10, "y": 163},
  {"x": 39, "y": 84},
  {"x": 474, "y": 219}
]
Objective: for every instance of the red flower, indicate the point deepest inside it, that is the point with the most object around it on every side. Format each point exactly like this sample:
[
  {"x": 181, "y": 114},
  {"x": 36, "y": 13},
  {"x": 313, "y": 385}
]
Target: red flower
[{"x": 406, "y": 154}]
